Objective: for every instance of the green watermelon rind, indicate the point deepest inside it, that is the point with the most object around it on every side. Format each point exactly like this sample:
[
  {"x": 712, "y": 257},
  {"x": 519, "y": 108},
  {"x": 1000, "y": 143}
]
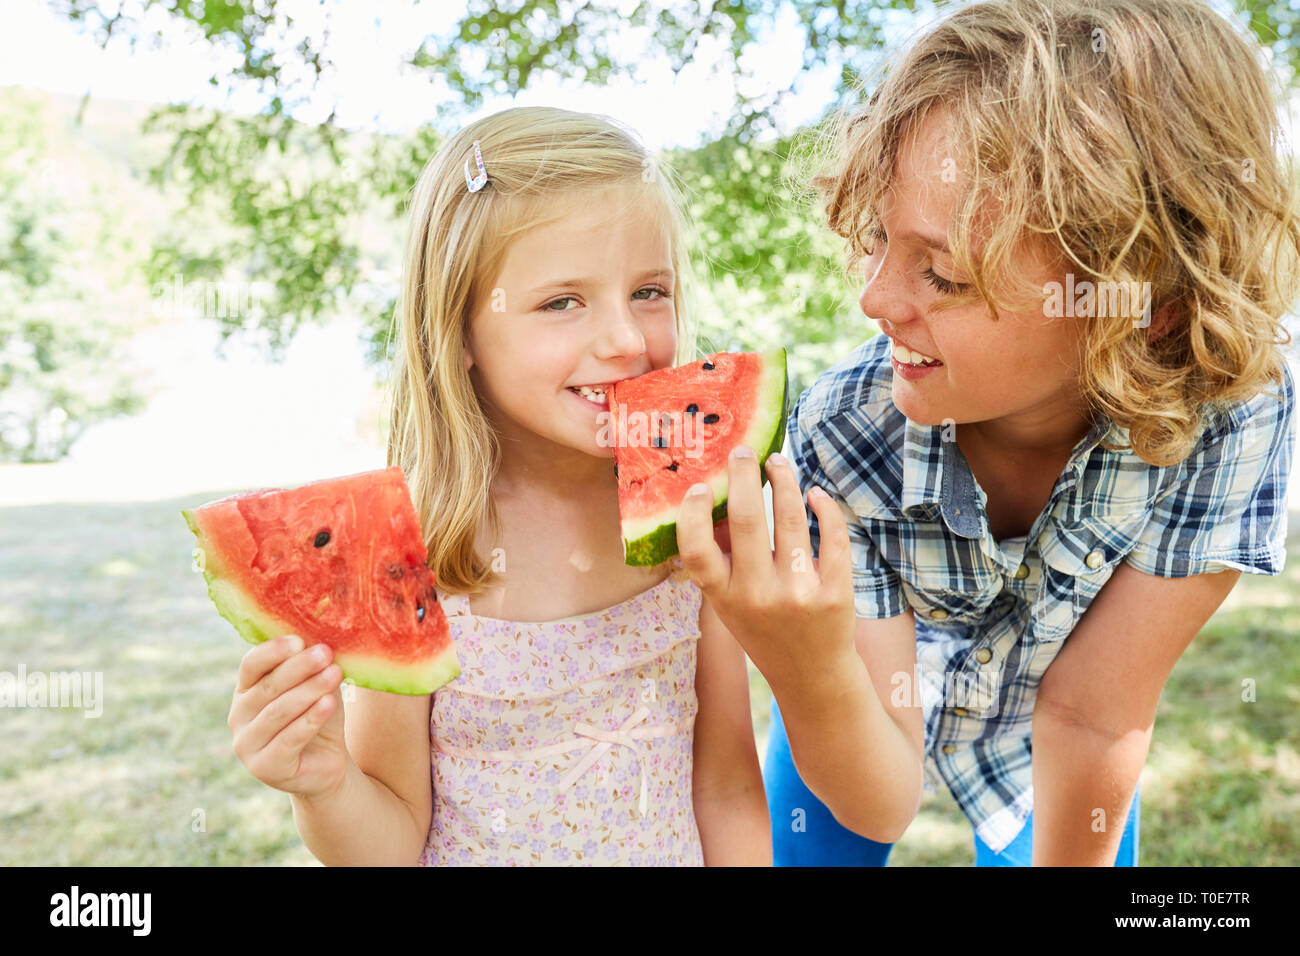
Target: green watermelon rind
[
  {"x": 658, "y": 542},
  {"x": 256, "y": 626}
]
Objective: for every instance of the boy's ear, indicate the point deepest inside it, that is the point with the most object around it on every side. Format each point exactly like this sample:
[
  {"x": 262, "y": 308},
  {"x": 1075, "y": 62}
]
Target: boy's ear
[{"x": 1163, "y": 321}]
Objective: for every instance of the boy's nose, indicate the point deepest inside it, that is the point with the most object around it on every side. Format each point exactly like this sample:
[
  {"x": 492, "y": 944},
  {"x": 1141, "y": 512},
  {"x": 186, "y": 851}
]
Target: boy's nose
[{"x": 886, "y": 297}]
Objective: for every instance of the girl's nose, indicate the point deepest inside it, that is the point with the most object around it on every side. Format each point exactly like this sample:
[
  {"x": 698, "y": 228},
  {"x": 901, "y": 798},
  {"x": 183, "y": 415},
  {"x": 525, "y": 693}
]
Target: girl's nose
[{"x": 621, "y": 333}]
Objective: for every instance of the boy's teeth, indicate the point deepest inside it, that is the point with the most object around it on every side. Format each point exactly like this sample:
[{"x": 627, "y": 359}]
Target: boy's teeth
[{"x": 907, "y": 356}]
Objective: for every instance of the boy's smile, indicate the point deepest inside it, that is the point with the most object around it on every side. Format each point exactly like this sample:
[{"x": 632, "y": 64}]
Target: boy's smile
[{"x": 1018, "y": 374}]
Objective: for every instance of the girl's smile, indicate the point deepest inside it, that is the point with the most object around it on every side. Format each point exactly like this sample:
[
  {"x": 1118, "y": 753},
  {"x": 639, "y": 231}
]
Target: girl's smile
[{"x": 581, "y": 302}]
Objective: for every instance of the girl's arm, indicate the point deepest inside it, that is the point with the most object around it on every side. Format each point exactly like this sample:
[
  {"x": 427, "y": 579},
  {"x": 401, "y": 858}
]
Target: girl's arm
[
  {"x": 380, "y": 815},
  {"x": 1096, "y": 707},
  {"x": 727, "y": 784}
]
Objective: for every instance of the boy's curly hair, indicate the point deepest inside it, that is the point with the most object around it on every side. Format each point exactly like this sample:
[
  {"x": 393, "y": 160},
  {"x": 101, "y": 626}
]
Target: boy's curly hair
[{"x": 1138, "y": 138}]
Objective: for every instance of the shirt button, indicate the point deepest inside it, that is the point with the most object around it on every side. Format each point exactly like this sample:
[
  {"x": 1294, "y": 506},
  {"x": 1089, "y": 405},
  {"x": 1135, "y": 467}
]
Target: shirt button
[
  {"x": 938, "y": 614},
  {"x": 983, "y": 655},
  {"x": 961, "y": 711},
  {"x": 1022, "y": 572},
  {"x": 1094, "y": 560},
  {"x": 949, "y": 748}
]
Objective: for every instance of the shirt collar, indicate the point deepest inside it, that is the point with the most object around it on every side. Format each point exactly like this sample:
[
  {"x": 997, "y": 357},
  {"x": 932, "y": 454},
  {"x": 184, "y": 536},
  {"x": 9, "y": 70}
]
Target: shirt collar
[{"x": 937, "y": 476}]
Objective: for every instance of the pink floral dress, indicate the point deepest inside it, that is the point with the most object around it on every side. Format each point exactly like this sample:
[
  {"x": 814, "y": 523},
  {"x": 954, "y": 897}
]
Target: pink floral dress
[{"x": 569, "y": 742}]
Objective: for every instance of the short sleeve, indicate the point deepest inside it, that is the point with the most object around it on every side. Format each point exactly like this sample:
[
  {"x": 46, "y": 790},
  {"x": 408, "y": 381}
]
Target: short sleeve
[
  {"x": 877, "y": 592},
  {"x": 1227, "y": 507}
]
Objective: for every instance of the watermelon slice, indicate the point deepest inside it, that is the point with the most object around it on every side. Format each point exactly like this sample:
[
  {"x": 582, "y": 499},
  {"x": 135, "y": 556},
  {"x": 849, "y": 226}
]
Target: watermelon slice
[
  {"x": 339, "y": 562},
  {"x": 676, "y": 426}
]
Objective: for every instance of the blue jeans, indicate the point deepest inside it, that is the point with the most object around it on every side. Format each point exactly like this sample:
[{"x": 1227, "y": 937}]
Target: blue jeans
[{"x": 822, "y": 841}]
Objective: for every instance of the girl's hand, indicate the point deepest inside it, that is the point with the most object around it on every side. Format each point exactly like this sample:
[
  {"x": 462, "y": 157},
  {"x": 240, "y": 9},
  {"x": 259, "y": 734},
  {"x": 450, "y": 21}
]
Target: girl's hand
[
  {"x": 287, "y": 717},
  {"x": 792, "y": 613}
]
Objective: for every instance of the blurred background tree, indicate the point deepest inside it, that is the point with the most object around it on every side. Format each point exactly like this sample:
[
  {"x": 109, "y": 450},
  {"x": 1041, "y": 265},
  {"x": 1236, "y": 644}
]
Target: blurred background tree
[
  {"x": 293, "y": 197},
  {"x": 62, "y": 353}
]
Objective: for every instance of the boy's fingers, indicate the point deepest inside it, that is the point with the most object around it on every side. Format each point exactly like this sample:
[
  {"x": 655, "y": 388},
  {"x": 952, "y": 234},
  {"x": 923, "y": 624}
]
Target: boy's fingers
[
  {"x": 699, "y": 552},
  {"x": 835, "y": 563},
  {"x": 722, "y": 535},
  {"x": 751, "y": 549},
  {"x": 791, "y": 531}
]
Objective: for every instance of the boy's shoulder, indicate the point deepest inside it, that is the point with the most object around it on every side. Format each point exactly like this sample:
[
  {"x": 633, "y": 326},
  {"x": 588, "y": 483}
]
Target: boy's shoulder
[
  {"x": 1271, "y": 408},
  {"x": 860, "y": 383}
]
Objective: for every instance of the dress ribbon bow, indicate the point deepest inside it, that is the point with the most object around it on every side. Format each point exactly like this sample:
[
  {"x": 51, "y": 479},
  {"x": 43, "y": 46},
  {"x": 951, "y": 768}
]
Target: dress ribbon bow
[{"x": 600, "y": 741}]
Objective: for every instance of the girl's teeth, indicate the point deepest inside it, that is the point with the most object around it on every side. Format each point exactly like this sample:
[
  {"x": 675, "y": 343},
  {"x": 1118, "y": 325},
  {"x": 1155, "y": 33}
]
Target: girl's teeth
[
  {"x": 592, "y": 394},
  {"x": 905, "y": 355}
]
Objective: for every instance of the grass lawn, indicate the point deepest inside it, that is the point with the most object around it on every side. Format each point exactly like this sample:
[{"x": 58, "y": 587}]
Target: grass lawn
[{"x": 108, "y": 588}]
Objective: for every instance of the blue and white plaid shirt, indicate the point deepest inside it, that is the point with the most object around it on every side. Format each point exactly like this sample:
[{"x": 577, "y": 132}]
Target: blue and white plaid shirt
[{"x": 991, "y": 616}]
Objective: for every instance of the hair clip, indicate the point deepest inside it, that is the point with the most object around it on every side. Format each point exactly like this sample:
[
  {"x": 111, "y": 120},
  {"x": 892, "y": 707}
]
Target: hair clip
[{"x": 475, "y": 183}]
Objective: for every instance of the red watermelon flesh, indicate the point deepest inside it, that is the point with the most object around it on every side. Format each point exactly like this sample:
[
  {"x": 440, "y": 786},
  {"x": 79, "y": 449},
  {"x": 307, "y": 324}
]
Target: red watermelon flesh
[
  {"x": 677, "y": 426},
  {"x": 339, "y": 562}
]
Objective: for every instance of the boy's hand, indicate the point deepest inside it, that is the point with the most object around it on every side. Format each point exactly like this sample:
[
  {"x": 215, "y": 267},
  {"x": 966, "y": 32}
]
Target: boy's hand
[{"x": 792, "y": 614}]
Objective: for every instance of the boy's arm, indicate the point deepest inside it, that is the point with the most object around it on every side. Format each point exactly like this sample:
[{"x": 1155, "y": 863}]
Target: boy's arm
[
  {"x": 1096, "y": 706},
  {"x": 834, "y": 675},
  {"x": 727, "y": 783},
  {"x": 857, "y": 739}
]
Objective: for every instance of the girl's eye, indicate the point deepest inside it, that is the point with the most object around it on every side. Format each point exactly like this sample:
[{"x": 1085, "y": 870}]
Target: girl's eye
[
  {"x": 548, "y": 307},
  {"x": 946, "y": 286},
  {"x": 662, "y": 293}
]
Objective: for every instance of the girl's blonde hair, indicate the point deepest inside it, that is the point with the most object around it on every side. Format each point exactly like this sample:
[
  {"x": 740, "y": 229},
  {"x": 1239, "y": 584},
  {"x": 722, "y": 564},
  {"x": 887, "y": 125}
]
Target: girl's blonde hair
[
  {"x": 540, "y": 162},
  {"x": 1137, "y": 138}
]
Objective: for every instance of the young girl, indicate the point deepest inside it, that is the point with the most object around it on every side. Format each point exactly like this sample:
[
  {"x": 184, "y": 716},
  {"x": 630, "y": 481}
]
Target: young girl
[
  {"x": 602, "y": 713},
  {"x": 1073, "y": 436}
]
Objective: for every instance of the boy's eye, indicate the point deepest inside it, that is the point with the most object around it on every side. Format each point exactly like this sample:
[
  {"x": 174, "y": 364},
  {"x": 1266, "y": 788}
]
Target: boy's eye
[
  {"x": 549, "y": 307},
  {"x": 946, "y": 286},
  {"x": 942, "y": 284}
]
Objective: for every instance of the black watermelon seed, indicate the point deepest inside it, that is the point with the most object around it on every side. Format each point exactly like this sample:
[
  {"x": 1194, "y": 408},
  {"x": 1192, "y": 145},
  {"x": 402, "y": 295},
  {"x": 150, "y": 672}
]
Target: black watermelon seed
[
  {"x": 673, "y": 466},
  {"x": 419, "y": 612},
  {"x": 710, "y": 419},
  {"x": 615, "y": 469},
  {"x": 322, "y": 539},
  {"x": 692, "y": 408},
  {"x": 659, "y": 442},
  {"x": 708, "y": 366}
]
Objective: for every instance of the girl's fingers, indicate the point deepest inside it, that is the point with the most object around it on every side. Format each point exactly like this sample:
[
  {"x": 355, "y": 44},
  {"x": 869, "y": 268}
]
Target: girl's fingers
[
  {"x": 286, "y": 708},
  {"x": 751, "y": 549},
  {"x": 699, "y": 552},
  {"x": 835, "y": 561},
  {"x": 289, "y": 672},
  {"x": 793, "y": 545},
  {"x": 285, "y": 747},
  {"x": 264, "y": 658}
]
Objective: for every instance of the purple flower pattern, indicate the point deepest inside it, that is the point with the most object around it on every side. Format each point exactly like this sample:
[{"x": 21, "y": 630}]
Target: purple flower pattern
[{"x": 525, "y": 686}]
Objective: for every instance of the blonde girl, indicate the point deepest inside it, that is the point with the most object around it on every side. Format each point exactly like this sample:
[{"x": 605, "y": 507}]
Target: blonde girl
[{"x": 602, "y": 713}]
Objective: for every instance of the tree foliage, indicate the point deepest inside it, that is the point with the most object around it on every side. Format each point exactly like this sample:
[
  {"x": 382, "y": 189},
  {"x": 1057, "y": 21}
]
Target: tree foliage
[
  {"x": 61, "y": 355},
  {"x": 293, "y": 191}
]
